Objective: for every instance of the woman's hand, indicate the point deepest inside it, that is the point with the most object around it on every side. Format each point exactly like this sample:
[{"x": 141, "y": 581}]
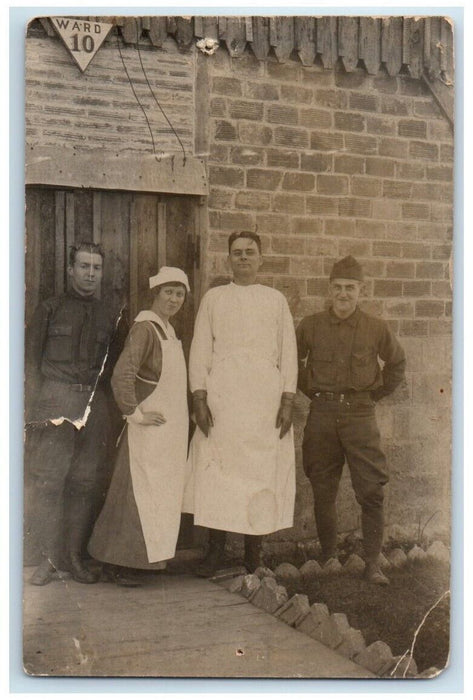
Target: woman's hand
[
  {"x": 152, "y": 418},
  {"x": 146, "y": 417}
]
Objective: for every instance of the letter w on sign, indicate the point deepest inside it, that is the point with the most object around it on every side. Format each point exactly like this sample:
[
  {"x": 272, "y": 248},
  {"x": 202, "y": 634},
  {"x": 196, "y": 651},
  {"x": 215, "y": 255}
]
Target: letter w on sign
[{"x": 82, "y": 38}]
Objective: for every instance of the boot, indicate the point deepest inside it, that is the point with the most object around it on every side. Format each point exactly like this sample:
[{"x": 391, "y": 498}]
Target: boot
[
  {"x": 253, "y": 545},
  {"x": 43, "y": 574},
  {"x": 79, "y": 528},
  {"x": 215, "y": 556},
  {"x": 373, "y": 574}
]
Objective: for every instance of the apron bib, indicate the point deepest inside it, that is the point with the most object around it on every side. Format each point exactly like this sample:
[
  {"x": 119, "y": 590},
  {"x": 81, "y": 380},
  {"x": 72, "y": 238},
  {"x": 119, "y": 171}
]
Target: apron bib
[
  {"x": 158, "y": 455},
  {"x": 242, "y": 475}
]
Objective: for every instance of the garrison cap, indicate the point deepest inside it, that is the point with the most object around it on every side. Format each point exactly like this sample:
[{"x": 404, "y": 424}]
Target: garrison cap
[{"x": 347, "y": 268}]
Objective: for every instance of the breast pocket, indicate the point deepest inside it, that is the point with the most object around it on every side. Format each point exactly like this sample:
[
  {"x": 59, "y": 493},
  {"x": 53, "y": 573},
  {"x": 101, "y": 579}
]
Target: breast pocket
[
  {"x": 364, "y": 367},
  {"x": 59, "y": 344},
  {"x": 101, "y": 347},
  {"x": 323, "y": 367}
]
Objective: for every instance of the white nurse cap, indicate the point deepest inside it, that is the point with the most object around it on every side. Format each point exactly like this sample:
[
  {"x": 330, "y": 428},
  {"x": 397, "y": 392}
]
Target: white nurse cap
[{"x": 167, "y": 275}]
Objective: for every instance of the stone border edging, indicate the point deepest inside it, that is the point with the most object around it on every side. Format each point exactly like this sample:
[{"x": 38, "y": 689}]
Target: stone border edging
[{"x": 333, "y": 629}]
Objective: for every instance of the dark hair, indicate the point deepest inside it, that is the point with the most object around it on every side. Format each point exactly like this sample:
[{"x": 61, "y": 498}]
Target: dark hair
[
  {"x": 88, "y": 247},
  {"x": 244, "y": 234}
]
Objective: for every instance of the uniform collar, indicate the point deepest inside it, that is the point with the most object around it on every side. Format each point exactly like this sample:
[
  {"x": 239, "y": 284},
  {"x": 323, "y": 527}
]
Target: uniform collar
[
  {"x": 148, "y": 315},
  {"x": 351, "y": 320},
  {"x": 80, "y": 297}
]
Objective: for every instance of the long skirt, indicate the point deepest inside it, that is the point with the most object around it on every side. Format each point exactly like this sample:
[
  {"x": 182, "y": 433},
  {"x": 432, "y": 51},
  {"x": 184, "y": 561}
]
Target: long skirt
[{"x": 118, "y": 537}]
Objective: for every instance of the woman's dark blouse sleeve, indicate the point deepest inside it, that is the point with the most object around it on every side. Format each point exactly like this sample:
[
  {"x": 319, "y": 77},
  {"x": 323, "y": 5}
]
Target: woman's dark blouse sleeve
[{"x": 142, "y": 351}]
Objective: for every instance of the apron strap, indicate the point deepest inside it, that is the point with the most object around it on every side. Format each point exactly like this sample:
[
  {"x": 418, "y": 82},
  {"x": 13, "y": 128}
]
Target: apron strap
[{"x": 159, "y": 330}]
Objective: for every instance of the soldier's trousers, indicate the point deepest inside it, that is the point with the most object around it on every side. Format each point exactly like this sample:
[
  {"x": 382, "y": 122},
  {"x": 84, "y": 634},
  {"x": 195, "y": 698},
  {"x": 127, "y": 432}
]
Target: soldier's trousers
[
  {"x": 67, "y": 466},
  {"x": 337, "y": 431}
]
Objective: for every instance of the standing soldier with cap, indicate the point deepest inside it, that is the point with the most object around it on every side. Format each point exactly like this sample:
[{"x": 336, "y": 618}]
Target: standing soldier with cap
[
  {"x": 339, "y": 351},
  {"x": 66, "y": 345}
]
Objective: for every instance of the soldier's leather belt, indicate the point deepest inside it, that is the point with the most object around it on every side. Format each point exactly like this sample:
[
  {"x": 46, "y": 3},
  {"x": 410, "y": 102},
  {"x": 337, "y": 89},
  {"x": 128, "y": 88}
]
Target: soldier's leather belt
[
  {"x": 81, "y": 387},
  {"x": 340, "y": 396}
]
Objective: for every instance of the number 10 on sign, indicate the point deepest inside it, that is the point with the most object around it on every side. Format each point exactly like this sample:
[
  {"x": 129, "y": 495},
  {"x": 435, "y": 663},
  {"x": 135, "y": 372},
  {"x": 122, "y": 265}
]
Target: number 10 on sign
[{"x": 83, "y": 39}]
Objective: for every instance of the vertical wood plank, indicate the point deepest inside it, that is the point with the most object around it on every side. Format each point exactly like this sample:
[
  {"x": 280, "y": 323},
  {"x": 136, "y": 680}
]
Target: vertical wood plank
[
  {"x": 444, "y": 32},
  {"x": 97, "y": 217},
  {"x": 284, "y": 42},
  {"x": 131, "y": 30},
  {"x": 260, "y": 43},
  {"x": 235, "y": 36},
  {"x": 391, "y": 44},
  {"x": 327, "y": 41},
  {"x": 158, "y": 31},
  {"x": 370, "y": 43},
  {"x": 435, "y": 50},
  {"x": 427, "y": 41},
  {"x": 60, "y": 243},
  {"x": 162, "y": 236},
  {"x": 115, "y": 241},
  {"x": 210, "y": 25},
  {"x": 33, "y": 257},
  {"x": 83, "y": 215},
  {"x": 199, "y": 26},
  {"x": 69, "y": 231},
  {"x": 184, "y": 33},
  {"x": 249, "y": 28},
  {"x": 146, "y": 235},
  {"x": 222, "y": 26},
  {"x": 348, "y": 42},
  {"x": 406, "y": 53},
  {"x": 416, "y": 46},
  {"x": 97, "y": 228},
  {"x": 134, "y": 261},
  {"x": 47, "y": 232},
  {"x": 304, "y": 39}
]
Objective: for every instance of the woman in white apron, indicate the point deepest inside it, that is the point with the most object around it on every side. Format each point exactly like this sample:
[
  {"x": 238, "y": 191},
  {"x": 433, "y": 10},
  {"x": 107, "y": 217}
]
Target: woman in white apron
[{"x": 139, "y": 523}]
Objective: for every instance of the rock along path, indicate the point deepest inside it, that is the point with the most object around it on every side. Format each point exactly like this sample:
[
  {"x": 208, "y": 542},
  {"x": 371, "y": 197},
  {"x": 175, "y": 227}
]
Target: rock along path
[{"x": 175, "y": 625}]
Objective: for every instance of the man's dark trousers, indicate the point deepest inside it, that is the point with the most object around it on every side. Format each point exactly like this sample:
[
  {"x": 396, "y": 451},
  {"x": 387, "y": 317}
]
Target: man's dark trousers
[
  {"x": 339, "y": 429},
  {"x": 68, "y": 466}
]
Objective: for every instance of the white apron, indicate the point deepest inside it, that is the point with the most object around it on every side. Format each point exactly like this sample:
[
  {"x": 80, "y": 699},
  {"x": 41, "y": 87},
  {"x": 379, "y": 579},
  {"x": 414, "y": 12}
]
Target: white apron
[
  {"x": 242, "y": 477},
  {"x": 158, "y": 454}
]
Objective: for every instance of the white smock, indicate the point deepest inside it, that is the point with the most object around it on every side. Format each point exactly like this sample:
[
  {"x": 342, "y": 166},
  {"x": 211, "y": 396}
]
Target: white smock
[
  {"x": 242, "y": 476},
  {"x": 158, "y": 453}
]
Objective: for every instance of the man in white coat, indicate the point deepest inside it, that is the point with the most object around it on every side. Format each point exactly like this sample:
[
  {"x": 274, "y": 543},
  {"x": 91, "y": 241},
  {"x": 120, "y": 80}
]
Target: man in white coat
[{"x": 243, "y": 376}]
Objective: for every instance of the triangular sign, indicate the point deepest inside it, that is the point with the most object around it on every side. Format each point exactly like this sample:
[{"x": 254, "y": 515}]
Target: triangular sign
[{"x": 81, "y": 37}]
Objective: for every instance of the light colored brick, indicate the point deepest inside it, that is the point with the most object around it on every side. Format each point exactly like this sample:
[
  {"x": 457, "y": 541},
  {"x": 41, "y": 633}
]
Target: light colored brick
[
  {"x": 269, "y": 596},
  {"x": 291, "y": 137},
  {"x": 242, "y": 155},
  {"x": 282, "y": 114},
  {"x": 252, "y": 200},
  {"x": 353, "y": 643},
  {"x": 250, "y": 585},
  {"x": 294, "y": 610},
  {"x": 366, "y": 186},
  {"x": 374, "y": 657},
  {"x": 289, "y": 203},
  {"x": 303, "y": 182},
  {"x": 321, "y": 205},
  {"x": 263, "y": 179},
  {"x": 349, "y": 164},
  {"x": 315, "y": 118},
  {"x": 312, "y": 622},
  {"x": 333, "y": 629}
]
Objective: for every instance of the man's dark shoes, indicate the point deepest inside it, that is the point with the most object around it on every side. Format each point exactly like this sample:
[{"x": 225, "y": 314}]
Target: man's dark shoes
[
  {"x": 210, "y": 565},
  {"x": 120, "y": 575},
  {"x": 80, "y": 573},
  {"x": 373, "y": 574},
  {"x": 43, "y": 574}
]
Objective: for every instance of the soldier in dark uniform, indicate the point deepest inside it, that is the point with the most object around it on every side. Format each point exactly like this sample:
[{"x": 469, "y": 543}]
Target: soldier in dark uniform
[
  {"x": 67, "y": 413},
  {"x": 339, "y": 351}
]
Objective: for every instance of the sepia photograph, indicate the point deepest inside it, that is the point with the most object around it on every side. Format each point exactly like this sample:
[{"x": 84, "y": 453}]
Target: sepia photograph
[{"x": 238, "y": 243}]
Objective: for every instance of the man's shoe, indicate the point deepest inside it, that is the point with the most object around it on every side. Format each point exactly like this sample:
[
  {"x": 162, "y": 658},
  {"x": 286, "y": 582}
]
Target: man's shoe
[
  {"x": 373, "y": 574},
  {"x": 43, "y": 574},
  {"x": 118, "y": 575},
  {"x": 210, "y": 565},
  {"x": 80, "y": 573}
]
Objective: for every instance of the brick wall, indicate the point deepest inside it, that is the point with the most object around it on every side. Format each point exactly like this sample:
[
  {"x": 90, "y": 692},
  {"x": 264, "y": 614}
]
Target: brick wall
[
  {"x": 97, "y": 110},
  {"x": 324, "y": 164}
]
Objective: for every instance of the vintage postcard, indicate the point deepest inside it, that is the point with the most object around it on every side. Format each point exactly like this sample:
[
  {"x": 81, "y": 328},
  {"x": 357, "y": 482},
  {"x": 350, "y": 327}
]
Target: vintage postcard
[{"x": 238, "y": 362}]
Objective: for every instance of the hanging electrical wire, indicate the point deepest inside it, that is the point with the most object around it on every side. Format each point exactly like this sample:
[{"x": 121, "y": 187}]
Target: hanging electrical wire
[
  {"x": 135, "y": 94},
  {"x": 152, "y": 92}
]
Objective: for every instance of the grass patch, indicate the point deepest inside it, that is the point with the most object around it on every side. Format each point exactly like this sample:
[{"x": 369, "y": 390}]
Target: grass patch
[{"x": 392, "y": 614}]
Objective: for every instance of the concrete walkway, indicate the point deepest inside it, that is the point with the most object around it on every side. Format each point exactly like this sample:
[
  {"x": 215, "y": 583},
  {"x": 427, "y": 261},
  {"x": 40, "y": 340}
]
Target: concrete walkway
[{"x": 174, "y": 625}]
